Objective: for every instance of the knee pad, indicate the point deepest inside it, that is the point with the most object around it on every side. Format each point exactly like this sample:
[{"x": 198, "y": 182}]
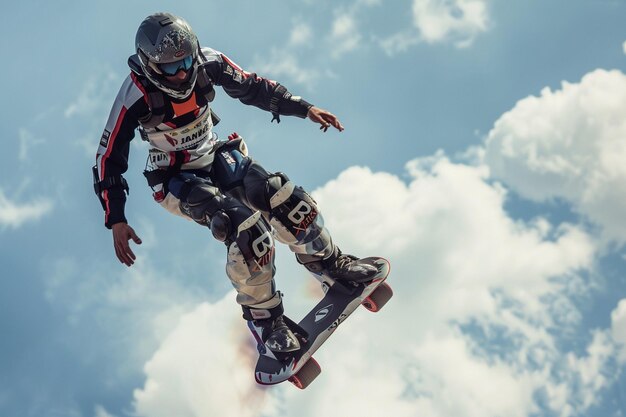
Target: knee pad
[
  {"x": 275, "y": 193},
  {"x": 291, "y": 211},
  {"x": 296, "y": 218},
  {"x": 199, "y": 200},
  {"x": 255, "y": 241},
  {"x": 221, "y": 226},
  {"x": 226, "y": 224},
  {"x": 206, "y": 205},
  {"x": 250, "y": 265},
  {"x": 259, "y": 185},
  {"x": 298, "y": 223}
]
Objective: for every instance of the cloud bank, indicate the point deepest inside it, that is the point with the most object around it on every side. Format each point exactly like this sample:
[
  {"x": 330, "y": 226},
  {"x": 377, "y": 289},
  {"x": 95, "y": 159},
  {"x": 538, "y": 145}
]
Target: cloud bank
[
  {"x": 475, "y": 328},
  {"x": 568, "y": 144}
]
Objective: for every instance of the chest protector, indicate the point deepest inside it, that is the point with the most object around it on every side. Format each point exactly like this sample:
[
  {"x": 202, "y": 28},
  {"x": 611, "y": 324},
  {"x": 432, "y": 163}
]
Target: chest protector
[{"x": 157, "y": 100}]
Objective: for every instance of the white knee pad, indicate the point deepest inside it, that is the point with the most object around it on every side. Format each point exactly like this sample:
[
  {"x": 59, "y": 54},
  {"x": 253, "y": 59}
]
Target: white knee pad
[
  {"x": 297, "y": 222},
  {"x": 250, "y": 264}
]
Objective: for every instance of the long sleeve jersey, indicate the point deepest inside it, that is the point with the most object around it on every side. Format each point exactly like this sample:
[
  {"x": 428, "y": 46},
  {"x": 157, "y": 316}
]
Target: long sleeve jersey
[{"x": 184, "y": 137}]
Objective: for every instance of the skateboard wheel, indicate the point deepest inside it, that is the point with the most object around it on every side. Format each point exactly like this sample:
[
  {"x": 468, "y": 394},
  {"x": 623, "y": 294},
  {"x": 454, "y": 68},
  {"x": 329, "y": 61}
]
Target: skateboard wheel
[
  {"x": 309, "y": 371},
  {"x": 378, "y": 298}
]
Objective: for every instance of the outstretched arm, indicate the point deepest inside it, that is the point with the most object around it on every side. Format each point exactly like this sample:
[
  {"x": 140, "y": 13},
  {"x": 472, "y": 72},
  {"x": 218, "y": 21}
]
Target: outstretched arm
[
  {"x": 261, "y": 92},
  {"x": 252, "y": 89}
]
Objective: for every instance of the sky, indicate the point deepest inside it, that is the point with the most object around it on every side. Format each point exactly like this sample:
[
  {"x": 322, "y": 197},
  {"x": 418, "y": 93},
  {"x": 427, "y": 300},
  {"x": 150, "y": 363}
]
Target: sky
[{"x": 483, "y": 156}]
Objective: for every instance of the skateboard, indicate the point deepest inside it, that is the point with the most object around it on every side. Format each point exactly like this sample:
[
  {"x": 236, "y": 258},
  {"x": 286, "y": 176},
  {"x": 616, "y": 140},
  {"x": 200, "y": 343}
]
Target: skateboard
[{"x": 341, "y": 299}]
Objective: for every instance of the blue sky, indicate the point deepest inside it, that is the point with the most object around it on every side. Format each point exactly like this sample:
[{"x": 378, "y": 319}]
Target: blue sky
[{"x": 483, "y": 155}]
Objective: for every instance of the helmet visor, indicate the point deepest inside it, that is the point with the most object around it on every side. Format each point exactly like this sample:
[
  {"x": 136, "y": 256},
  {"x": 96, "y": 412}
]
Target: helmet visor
[{"x": 171, "y": 68}]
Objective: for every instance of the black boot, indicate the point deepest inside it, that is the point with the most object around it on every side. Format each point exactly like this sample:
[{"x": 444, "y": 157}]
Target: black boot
[
  {"x": 277, "y": 336},
  {"x": 268, "y": 324},
  {"x": 339, "y": 266}
]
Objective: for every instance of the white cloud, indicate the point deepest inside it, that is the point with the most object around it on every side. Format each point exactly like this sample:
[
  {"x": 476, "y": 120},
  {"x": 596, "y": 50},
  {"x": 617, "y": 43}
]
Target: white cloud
[
  {"x": 458, "y": 262},
  {"x": 618, "y": 328},
  {"x": 283, "y": 63},
  {"x": 568, "y": 144},
  {"x": 100, "y": 411},
  {"x": 479, "y": 296},
  {"x": 130, "y": 309},
  {"x": 94, "y": 100},
  {"x": 93, "y": 95},
  {"x": 146, "y": 301},
  {"x": 590, "y": 374},
  {"x": 451, "y": 373},
  {"x": 27, "y": 141},
  {"x": 301, "y": 34},
  {"x": 367, "y": 3},
  {"x": 399, "y": 42},
  {"x": 458, "y": 20},
  {"x": 298, "y": 59},
  {"x": 344, "y": 36},
  {"x": 434, "y": 21},
  {"x": 14, "y": 214},
  {"x": 204, "y": 367}
]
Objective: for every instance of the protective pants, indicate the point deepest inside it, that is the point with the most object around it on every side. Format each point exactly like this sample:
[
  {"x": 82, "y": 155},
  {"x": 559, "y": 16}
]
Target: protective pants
[{"x": 247, "y": 207}]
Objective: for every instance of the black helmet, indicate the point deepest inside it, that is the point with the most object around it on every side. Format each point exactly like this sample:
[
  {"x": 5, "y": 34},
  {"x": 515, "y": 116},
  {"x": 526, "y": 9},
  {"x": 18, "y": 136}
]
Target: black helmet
[{"x": 166, "y": 44}]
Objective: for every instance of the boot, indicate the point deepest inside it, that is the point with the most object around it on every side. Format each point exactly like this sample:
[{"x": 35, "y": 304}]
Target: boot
[
  {"x": 339, "y": 266},
  {"x": 277, "y": 336}
]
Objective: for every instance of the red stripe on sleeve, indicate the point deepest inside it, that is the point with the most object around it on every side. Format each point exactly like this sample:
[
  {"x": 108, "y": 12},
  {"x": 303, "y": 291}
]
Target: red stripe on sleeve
[
  {"x": 231, "y": 63},
  {"x": 116, "y": 130},
  {"x": 105, "y": 196},
  {"x": 118, "y": 124},
  {"x": 245, "y": 73},
  {"x": 139, "y": 86}
]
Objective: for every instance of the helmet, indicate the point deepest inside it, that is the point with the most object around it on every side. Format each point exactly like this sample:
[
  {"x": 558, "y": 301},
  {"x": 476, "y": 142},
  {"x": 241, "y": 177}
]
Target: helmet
[{"x": 166, "y": 44}]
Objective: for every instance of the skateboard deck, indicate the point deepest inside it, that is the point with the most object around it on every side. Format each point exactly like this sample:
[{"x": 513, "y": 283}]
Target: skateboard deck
[{"x": 341, "y": 299}]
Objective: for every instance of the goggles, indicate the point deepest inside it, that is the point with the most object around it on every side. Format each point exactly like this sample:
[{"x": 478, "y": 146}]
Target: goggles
[{"x": 171, "y": 68}]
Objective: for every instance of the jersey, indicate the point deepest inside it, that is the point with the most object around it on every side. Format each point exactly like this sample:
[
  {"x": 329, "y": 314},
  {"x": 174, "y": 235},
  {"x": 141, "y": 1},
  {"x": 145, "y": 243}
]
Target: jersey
[{"x": 184, "y": 138}]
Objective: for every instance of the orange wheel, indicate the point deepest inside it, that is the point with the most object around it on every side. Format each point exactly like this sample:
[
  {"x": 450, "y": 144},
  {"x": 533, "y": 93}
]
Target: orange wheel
[
  {"x": 378, "y": 298},
  {"x": 309, "y": 371}
]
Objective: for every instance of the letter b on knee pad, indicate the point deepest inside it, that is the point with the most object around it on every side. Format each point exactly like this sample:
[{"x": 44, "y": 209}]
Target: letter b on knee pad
[
  {"x": 250, "y": 264},
  {"x": 263, "y": 244},
  {"x": 297, "y": 222},
  {"x": 300, "y": 212}
]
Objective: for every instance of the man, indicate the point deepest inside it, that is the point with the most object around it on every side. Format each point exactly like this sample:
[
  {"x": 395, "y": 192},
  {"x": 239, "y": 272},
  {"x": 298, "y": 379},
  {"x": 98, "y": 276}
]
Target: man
[{"x": 215, "y": 183}]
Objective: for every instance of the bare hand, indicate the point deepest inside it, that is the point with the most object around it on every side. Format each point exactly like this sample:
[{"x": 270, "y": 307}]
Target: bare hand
[
  {"x": 325, "y": 118},
  {"x": 122, "y": 233}
]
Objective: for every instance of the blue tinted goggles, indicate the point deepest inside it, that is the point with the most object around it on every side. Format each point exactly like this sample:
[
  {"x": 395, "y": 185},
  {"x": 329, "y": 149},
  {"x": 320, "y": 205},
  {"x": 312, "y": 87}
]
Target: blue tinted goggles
[{"x": 171, "y": 68}]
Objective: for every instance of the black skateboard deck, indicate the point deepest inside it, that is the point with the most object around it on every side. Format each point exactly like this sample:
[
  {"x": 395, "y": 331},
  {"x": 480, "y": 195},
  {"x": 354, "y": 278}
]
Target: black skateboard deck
[{"x": 340, "y": 301}]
